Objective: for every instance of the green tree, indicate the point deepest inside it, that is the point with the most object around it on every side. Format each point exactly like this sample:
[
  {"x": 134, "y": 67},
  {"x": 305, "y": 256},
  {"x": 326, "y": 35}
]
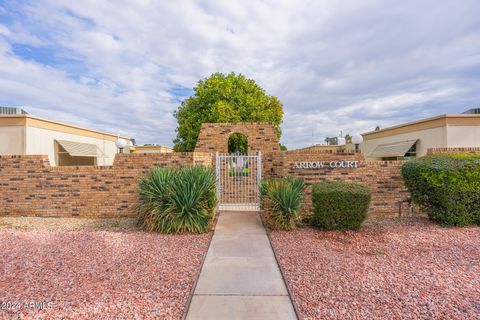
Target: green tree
[
  {"x": 332, "y": 141},
  {"x": 224, "y": 98},
  {"x": 238, "y": 143},
  {"x": 348, "y": 138}
]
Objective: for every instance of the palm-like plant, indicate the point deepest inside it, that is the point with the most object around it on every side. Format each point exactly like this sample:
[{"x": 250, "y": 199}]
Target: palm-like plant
[
  {"x": 153, "y": 195},
  {"x": 173, "y": 201},
  {"x": 281, "y": 200}
]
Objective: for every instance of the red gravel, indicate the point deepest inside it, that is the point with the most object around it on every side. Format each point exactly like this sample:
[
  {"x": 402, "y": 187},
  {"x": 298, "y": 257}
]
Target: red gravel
[
  {"x": 413, "y": 270},
  {"x": 97, "y": 275}
]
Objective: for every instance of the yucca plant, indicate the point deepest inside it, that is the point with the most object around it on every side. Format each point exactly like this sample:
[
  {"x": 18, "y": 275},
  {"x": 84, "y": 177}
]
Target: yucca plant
[
  {"x": 281, "y": 201},
  {"x": 174, "y": 201},
  {"x": 153, "y": 190}
]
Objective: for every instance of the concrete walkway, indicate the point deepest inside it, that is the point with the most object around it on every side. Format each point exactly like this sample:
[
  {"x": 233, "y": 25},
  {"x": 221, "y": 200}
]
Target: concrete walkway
[{"x": 240, "y": 278}]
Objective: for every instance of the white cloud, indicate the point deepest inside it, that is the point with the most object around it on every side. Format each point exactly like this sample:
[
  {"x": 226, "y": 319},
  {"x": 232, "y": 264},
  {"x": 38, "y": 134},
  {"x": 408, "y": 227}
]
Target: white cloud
[{"x": 347, "y": 65}]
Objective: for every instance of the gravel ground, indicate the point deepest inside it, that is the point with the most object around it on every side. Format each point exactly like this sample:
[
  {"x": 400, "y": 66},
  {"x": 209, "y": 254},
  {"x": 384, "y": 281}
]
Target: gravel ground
[
  {"x": 97, "y": 274},
  {"x": 67, "y": 224},
  {"x": 392, "y": 269}
]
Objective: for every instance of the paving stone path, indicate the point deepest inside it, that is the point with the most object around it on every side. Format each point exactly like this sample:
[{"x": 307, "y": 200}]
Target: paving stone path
[{"x": 240, "y": 278}]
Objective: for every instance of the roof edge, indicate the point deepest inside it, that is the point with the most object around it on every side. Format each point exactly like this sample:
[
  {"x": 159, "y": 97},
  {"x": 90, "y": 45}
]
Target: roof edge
[
  {"x": 443, "y": 116},
  {"x": 29, "y": 116}
]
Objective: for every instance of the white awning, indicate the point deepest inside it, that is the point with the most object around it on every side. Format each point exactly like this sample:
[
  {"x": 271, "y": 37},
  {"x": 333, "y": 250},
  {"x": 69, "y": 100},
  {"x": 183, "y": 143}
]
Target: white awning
[
  {"x": 81, "y": 149},
  {"x": 395, "y": 149}
]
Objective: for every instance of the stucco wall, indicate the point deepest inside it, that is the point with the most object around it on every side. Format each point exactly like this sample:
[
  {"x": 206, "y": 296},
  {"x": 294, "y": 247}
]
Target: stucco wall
[
  {"x": 42, "y": 141},
  {"x": 463, "y": 136},
  {"x": 12, "y": 140},
  {"x": 428, "y": 138}
]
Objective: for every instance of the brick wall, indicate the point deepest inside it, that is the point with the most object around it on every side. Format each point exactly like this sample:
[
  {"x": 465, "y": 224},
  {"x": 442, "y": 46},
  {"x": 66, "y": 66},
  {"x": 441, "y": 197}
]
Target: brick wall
[
  {"x": 382, "y": 177},
  {"x": 30, "y": 186},
  {"x": 261, "y": 136},
  {"x": 453, "y": 150}
]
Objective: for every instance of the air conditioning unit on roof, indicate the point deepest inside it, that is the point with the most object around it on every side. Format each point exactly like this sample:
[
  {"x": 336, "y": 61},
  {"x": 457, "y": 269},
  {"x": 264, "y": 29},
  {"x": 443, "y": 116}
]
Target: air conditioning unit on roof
[
  {"x": 12, "y": 110},
  {"x": 472, "y": 111}
]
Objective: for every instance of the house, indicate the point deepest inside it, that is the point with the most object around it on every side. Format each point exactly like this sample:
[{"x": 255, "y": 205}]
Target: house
[
  {"x": 151, "y": 148},
  {"x": 413, "y": 139},
  {"x": 65, "y": 144}
]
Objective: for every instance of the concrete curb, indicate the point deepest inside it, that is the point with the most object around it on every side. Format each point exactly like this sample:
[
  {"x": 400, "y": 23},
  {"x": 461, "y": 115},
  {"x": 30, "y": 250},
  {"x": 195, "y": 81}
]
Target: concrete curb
[
  {"x": 289, "y": 289},
  {"x": 192, "y": 291}
]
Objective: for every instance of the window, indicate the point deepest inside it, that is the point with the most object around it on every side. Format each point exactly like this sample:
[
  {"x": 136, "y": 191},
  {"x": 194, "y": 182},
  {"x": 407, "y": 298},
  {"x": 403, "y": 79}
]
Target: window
[
  {"x": 68, "y": 153},
  {"x": 410, "y": 154}
]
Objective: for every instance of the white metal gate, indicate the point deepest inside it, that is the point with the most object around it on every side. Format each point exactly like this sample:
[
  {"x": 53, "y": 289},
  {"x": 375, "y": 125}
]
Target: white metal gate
[{"x": 238, "y": 181}]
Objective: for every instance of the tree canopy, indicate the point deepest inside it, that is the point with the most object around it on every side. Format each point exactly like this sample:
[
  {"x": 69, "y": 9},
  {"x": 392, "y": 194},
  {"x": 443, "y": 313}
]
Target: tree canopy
[
  {"x": 333, "y": 141},
  {"x": 224, "y": 98}
]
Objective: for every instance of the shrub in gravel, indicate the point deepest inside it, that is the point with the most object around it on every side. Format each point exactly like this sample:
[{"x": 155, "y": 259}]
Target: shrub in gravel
[
  {"x": 281, "y": 201},
  {"x": 446, "y": 187},
  {"x": 177, "y": 200},
  {"x": 339, "y": 205}
]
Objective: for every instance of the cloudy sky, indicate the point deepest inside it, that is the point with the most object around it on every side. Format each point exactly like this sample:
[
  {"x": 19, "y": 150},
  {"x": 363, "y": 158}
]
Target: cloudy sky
[{"x": 124, "y": 66}]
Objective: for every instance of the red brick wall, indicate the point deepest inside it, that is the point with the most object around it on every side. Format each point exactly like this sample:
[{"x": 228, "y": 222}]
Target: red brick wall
[
  {"x": 382, "y": 177},
  {"x": 214, "y": 137},
  {"x": 30, "y": 186},
  {"x": 453, "y": 150}
]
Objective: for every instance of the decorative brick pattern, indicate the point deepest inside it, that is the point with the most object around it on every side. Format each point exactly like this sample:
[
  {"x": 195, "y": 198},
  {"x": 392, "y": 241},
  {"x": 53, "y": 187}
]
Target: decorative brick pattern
[
  {"x": 261, "y": 136},
  {"x": 30, "y": 186}
]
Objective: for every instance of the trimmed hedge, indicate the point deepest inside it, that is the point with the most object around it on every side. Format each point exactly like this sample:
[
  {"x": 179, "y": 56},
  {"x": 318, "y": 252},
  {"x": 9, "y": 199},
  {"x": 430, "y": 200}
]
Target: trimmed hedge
[
  {"x": 280, "y": 201},
  {"x": 339, "y": 205},
  {"x": 446, "y": 187}
]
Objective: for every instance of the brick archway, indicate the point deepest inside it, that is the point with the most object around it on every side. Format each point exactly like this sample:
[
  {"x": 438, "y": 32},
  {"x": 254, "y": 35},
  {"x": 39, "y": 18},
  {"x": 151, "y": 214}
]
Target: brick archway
[
  {"x": 238, "y": 136},
  {"x": 214, "y": 137}
]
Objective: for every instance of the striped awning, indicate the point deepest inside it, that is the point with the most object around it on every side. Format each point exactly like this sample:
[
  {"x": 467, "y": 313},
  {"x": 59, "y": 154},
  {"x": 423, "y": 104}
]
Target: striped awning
[
  {"x": 81, "y": 149},
  {"x": 395, "y": 149}
]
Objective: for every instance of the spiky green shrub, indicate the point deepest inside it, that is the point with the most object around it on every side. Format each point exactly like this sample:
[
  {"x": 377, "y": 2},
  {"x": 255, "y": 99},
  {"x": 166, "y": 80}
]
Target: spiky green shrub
[
  {"x": 446, "y": 187},
  {"x": 339, "y": 205},
  {"x": 153, "y": 191},
  {"x": 281, "y": 201},
  {"x": 177, "y": 200}
]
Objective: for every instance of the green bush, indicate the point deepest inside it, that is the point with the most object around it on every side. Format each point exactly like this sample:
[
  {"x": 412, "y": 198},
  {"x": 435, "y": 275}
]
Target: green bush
[
  {"x": 281, "y": 200},
  {"x": 174, "y": 201},
  {"x": 339, "y": 205},
  {"x": 446, "y": 187}
]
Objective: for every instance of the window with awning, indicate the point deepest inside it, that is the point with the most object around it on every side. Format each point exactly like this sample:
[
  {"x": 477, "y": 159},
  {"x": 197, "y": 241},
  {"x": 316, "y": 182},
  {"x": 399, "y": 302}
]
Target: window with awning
[
  {"x": 72, "y": 153},
  {"x": 80, "y": 149},
  {"x": 395, "y": 149}
]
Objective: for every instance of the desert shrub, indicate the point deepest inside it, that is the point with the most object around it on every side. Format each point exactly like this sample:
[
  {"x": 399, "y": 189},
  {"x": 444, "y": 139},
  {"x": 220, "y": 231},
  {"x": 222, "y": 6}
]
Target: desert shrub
[
  {"x": 177, "y": 200},
  {"x": 339, "y": 205},
  {"x": 281, "y": 200},
  {"x": 446, "y": 187}
]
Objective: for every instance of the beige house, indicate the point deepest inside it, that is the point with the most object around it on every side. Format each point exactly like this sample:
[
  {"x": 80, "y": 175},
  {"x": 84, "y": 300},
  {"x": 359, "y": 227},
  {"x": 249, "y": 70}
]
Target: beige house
[
  {"x": 413, "y": 139},
  {"x": 151, "y": 149},
  {"x": 24, "y": 134}
]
